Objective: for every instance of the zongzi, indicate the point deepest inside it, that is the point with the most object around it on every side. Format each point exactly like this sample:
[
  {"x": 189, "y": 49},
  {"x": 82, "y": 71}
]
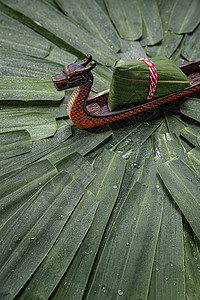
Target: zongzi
[{"x": 130, "y": 82}]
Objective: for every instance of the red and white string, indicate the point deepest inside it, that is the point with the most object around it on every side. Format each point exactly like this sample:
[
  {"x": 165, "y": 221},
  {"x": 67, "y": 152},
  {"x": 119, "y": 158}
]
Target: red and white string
[{"x": 153, "y": 76}]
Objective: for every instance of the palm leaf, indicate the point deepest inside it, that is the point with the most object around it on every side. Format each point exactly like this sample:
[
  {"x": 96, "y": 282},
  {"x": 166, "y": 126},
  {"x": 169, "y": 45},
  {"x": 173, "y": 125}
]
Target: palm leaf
[
  {"x": 14, "y": 143},
  {"x": 62, "y": 233},
  {"x": 185, "y": 18},
  {"x": 126, "y": 17}
]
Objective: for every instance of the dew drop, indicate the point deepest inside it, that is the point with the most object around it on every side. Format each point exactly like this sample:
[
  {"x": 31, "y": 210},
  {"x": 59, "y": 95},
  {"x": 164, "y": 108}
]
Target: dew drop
[
  {"x": 120, "y": 292},
  {"x": 188, "y": 178},
  {"x": 115, "y": 186}
]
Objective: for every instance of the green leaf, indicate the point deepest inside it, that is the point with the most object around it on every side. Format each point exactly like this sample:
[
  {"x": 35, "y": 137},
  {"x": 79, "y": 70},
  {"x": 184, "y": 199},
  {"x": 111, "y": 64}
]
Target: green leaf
[
  {"x": 38, "y": 234},
  {"x": 59, "y": 110},
  {"x": 192, "y": 134},
  {"x": 190, "y": 107},
  {"x": 152, "y": 31},
  {"x": 168, "y": 271},
  {"x": 14, "y": 143},
  {"x": 176, "y": 173},
  {"x": 19, "y": 64},
  {"x": 63, "y": 251},
  {"x": 78, "y": 167},
  {"x": 28, "y": 89},
  {"x": 134, "y": 168},
  {"x": 185, "y": 16},
  {"x": 102, "y": 78},
  {"x": 175, "y": 125},
  {"x": 170, "y": 39},
  {"x": 194, "y": 155},
  {"x": 93, "y": 18},
  {"x": 39, "y": 149},
  {"x": 132, "y": 141},
  {"x": 20, "y": 186},
  {"x": 191, "y": 45},
  {"x": 74, "y": 38},
  {"x": 126, "y": 17},
  {"x": 39, "y": 125},
  {"x": 83, "y": 142},
  {"x": 192, "y": 266},
  {"x": 13, "y": 39},
  {"x": 177, "y": 57},
  {"x": 106, "y": 187},
  {"x": 60, "y": 56},
  {"x": 130, "y": 50},
  {"x": 136, "y": 228},
  {"x": 167, "y": 146},
  {"x": 167, "y": 281}
]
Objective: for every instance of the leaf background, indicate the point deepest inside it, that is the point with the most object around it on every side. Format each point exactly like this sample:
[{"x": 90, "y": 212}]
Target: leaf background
[{"x": 104, "y": 214}]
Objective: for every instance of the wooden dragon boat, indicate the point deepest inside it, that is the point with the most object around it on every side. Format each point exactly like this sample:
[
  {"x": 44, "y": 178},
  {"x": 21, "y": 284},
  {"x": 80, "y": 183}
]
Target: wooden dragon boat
[{"x": 87, "y": 112}]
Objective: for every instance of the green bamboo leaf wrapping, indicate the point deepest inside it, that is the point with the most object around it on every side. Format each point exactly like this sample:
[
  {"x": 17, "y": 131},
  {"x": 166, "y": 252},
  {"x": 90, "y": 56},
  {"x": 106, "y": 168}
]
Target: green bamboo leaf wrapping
[
  {"x": 14, "y": 143},
  {"x": 93, "y": 19},
  {"x": 176, "y": 173},
  {"x": 136, "y": 228},
  {"x": 39, "y": 125},
  {"x": 39, "y": 239},
  {"x": 63, "y": 251},
  {"x": 64, "y": 32},
  {"x": 191, "y": 133},
  {"x": 191, "y": 45},
  {"x": 185, "y": 16},
  {"x": 106, "y": 187},
  {"x": 21, "y": 185},
  {"x": 190, "y": 107},
  {"x": 126, "y": 17},
  {"x": 131, "y": 80}
]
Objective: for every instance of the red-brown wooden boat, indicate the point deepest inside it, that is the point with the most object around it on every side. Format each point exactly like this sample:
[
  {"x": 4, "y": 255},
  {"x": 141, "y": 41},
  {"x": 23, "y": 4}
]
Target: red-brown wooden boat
[{"x": 87, "y": 112}]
